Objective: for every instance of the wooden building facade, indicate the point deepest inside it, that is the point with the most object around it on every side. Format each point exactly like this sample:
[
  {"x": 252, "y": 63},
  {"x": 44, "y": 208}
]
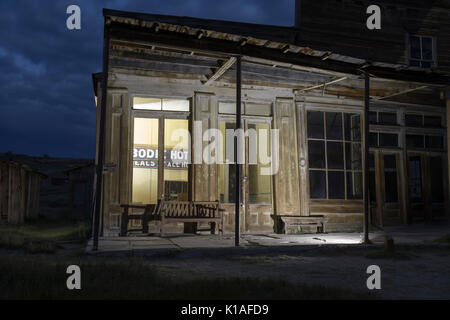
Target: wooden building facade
[
  {"x": 165, "y": 73},
  {"x": 19, "y": 192}
]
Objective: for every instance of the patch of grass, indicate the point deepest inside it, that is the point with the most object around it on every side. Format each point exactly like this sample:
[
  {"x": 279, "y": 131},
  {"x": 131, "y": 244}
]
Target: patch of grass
[
  {"x": 443, "y": 239},
  {"x": 383, "y": 254},
  {"x": 40, "y": 278},
  {"x": 42, "y": 236}
]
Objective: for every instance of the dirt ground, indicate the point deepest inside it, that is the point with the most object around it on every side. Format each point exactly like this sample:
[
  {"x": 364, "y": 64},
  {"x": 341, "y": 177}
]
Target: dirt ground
[{"x": 413, "y": 272}]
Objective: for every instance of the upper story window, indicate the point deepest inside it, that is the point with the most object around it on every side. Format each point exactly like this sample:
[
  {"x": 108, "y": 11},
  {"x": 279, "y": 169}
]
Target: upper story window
[{"x": 421, "y": 51}]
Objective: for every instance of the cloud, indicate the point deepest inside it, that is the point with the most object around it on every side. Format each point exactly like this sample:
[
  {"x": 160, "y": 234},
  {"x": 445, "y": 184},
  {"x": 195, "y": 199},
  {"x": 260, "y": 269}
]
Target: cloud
[{"x": 46, "y": 98}]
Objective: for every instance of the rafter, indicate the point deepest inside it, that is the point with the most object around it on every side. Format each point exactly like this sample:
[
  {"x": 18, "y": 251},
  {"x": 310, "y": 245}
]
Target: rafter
[{"x": 227, "y": 65}]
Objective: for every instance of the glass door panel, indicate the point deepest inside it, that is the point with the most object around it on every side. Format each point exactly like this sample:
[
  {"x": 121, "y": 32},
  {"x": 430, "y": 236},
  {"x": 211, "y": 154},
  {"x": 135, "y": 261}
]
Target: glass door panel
[
  {"x": 259, "y": 185},
  {"x": 145, "y": 161},
  {"x": 176, "y": 152}
]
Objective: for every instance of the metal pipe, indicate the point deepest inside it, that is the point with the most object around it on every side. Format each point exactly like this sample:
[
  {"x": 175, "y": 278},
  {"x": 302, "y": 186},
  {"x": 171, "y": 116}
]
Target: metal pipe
[
  {"x": 237, "y": 147},
  {"x": 366, "y": 157},
  {"x": 101, "y": 141}
]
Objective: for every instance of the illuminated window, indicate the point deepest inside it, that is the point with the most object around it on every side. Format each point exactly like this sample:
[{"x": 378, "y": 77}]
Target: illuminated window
[{"x": 157, "y": 104}]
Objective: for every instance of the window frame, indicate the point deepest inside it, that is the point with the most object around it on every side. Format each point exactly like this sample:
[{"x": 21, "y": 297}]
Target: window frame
[
  {"x": 433, "y": 61},
  {"x": 344, "y": 142}
]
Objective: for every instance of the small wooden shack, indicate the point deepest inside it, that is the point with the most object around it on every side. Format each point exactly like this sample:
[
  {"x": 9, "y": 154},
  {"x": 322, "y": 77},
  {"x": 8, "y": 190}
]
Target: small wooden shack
[{"x": 19, "y": 192}]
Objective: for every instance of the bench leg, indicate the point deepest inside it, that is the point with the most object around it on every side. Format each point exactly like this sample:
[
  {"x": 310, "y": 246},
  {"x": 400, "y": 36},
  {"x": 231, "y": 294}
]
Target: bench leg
[
  {"x": 145, "y": 224},
  {"x": 213, "y": 227},
  {"x": 124, "y": 223}
]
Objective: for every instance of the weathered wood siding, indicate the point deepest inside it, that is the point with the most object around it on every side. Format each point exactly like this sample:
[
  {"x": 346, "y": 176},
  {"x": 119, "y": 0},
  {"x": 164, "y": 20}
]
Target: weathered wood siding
[
  {"x": 340, "y": 26},
  {"x": 19, "y": 192},
  {"x": 286, "y": 187}
]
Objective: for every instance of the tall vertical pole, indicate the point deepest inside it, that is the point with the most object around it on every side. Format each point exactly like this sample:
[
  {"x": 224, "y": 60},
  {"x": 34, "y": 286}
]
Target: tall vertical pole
[
  {"x": 366, "y": 156},
  {"x": 237, "y": 149},
  {"x": 101, "y": 141}
]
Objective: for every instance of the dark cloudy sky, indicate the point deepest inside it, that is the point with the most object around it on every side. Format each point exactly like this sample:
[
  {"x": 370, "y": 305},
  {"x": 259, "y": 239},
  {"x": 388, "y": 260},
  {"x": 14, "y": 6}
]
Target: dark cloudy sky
[{"x": 46, "y": 96}]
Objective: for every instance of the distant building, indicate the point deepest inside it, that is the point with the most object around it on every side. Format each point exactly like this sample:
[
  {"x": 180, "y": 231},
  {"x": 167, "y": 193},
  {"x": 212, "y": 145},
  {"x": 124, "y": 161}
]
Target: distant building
[
  {"x": 20, "y": 188},
  {"x": 308, "y": 81},
  {"x": 66, "y": 193},
  {"x": 81, "y": 181}
]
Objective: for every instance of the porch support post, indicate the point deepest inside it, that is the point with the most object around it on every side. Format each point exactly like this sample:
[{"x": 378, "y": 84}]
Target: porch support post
[
  {"x": 101, "y": 141},
  {"x": 366, "y": 157},
  {"x": 447, "y": 114},
  {"x": 237, "y": 148}
]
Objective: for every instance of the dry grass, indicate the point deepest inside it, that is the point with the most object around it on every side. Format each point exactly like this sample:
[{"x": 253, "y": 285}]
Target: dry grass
[{"x": 43, "y": 278}]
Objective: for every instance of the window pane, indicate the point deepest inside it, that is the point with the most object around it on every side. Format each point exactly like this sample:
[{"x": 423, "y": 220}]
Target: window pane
[
  {"x": 227, "y": 172},
  {"x": 317, "y": 184},
  {"x": 414, "y": 42},
  {"x": 414, "y": 141},
  {"x": 145, "y": 161},
  {"x": 432, "y": 121},
  {"x": 315, "y": 124},
  {"x": 413, "y": 120},
  {"x": 373, "y": 139},
  {"x": 373, "y": 117},
  {"x": 414, "y": 63},
  {"x": 335, "y": 155},
  {"x": 176, "y": 146},
  {"x": 354, "y": 185},
  {"x": 259, "y": 184},
  {"x": 427, "y": 48},
  {"x": 334, "y": 125},
  {"x": 388, "y": 140},
  {"x": 434, "y": 142},
  {"x": 387, "y": 118},
  {"x": 352, "y": 127},
  {"x": 437, "y": 189},
  {"x": 147, "y": 103},
  {"x": 415, "y": 179},
  {"x": 336, "y": 187},
  {"x": 425, "y": 64},
  {"x": 316, "y": 153},
  {"x": 353, "y": 156},
  {"x": 175, "y": 105}
]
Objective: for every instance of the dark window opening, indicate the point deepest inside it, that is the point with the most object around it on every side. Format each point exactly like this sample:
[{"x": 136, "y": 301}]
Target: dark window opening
[
  {"x": 433, "y": 121},
  {"x": 434, "y": 142},
  {"x": 387, "y": 118},
  {"x": 317, "y": 184},
  {"x": 316, "y": 152},
  {"x": 413, "y": 120},
  {"x": 388, "y": 140},
  {"x": 414, "y": 141},
  {"x": 437, "y": 174},
  {"x": 334, "y": 125},
  {"x": 315, "y": 124},
  {"x": 415, "y": 179},
  {"x": 336, "y": 187},
  {"x": 335, "y": 155}
]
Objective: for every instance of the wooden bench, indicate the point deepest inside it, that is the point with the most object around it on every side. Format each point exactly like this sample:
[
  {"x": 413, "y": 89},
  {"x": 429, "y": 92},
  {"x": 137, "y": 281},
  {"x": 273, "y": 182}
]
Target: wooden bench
[
  {"x": 191, "y": 213},
  {"x": 285, "y": 221}
]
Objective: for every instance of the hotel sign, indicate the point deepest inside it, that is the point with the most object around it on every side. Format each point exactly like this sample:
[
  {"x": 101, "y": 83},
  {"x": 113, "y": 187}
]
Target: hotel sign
[{"x": 147, "y": 157}]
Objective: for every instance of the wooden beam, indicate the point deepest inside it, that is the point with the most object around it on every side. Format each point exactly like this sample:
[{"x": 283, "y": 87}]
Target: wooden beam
[
  {"x": 400, "y": 92},
  {"x": 323, "y": 84},
  {"x": 227, "y": 65}
]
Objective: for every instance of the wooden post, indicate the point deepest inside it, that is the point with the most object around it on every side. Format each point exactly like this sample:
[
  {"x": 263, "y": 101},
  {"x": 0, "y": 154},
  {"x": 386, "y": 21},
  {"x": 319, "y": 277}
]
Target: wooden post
[
  {"x": 101, "y": 140},
  {"x": 366, "y": 156},
  {"x": 236, "y": 149},
  {"x": 447, "y": 97}
]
